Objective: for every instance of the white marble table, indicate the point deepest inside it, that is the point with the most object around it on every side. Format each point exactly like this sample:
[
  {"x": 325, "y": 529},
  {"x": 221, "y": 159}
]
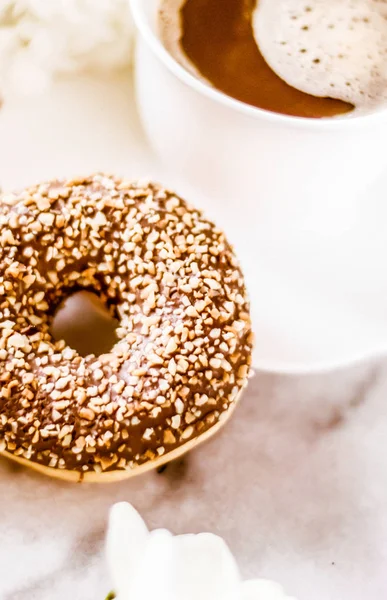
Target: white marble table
[
  {"x": 319, "y": 299},
  {"x": 299, "y": 495},
  {"x": 296, "y": 483}
]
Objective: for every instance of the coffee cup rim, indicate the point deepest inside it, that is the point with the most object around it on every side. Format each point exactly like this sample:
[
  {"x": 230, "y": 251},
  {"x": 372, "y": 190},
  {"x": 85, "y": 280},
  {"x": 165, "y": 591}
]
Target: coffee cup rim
[{"x": 339, "y": 122}]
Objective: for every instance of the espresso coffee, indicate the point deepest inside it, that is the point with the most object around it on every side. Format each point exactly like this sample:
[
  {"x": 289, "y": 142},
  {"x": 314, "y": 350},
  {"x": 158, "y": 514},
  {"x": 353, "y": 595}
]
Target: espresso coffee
[{"x": 321, "y": 59}]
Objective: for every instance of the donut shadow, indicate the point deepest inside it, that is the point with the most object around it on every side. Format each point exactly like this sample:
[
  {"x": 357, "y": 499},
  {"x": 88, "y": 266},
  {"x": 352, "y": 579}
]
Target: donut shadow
[{"x": 176, "y": 471}]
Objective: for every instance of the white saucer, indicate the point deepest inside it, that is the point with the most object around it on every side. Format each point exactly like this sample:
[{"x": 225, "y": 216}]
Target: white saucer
[{"x": 319, "y": 301}]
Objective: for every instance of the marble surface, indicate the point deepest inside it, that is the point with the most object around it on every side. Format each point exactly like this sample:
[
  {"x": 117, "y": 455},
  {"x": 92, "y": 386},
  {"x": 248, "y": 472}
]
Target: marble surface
[
  {"x": 296, "y": 482},
  {"x": 319, "y": 300}
]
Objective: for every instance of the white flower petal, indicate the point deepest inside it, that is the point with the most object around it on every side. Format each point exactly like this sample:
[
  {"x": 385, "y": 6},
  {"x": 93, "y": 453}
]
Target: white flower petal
[
  {"x": 126, "y": 541},
  {"x": 187, "y": 567},
  {"x": 205, "y": 569},
  {"x": 262, "y": 589},
  {"x": 155, "y": 571},
  {"x": 44, "y": 38}
]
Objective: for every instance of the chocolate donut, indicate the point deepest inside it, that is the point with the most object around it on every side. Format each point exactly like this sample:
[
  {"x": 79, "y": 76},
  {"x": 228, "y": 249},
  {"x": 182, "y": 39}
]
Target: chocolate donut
[{"x": 184, "y": 348}]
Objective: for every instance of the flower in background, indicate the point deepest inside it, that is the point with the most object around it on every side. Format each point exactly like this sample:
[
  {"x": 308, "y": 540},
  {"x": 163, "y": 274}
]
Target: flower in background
[
  {"x": 147, "y": 565},
  {"x": 39, "y": 38}
]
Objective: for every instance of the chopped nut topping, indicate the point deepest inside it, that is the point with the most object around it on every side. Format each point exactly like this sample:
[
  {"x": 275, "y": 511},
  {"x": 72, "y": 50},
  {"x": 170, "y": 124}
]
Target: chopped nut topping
[{"x": 185, "y": 339}]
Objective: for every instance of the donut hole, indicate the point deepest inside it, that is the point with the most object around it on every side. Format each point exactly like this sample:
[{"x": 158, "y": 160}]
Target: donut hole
[{"x": 85, "y": 324}]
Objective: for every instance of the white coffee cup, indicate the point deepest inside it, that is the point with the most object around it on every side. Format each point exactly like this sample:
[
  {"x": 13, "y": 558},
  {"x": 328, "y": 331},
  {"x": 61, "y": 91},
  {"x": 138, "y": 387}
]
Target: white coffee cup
[
  {"x": 275, "y": 167},
  {"x": 258, "y": 174}
]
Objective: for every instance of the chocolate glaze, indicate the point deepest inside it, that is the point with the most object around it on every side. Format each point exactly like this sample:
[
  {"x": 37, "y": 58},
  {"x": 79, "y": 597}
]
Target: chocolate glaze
[{"x": 170, "y": 278}]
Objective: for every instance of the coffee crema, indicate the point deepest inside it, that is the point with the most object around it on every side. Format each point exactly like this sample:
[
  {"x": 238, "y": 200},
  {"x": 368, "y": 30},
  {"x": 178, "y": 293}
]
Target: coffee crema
[
  {"x": 214, "y": 39},
  {"x": 319, "y": 58}
]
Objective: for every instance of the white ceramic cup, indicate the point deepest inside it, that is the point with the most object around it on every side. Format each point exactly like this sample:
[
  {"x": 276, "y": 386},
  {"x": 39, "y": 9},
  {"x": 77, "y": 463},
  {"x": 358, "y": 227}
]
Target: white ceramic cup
[
  {"x": 263, "y": 175},
  {"x": 271, "y": 167}
]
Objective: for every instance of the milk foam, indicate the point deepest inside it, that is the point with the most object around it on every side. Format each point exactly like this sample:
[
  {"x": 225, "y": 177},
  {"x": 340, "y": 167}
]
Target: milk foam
[{"x": 334, "y": 48}]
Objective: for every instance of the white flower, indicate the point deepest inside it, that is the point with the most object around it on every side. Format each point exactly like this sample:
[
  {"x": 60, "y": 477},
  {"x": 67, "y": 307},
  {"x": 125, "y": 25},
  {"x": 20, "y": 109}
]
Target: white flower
[
  {"x": 39, "y": 38},
  {"x": 147, "y": 565}
]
